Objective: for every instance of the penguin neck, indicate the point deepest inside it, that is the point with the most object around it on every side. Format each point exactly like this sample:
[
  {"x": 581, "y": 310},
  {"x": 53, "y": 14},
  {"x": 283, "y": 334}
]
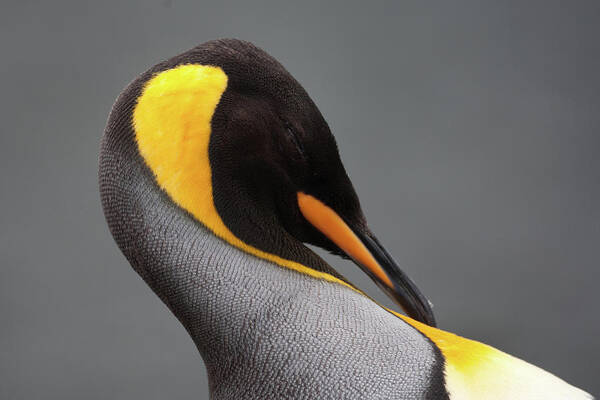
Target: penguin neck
[
  {"x": 216, "y": 291},
  {"x": 213, "y": 288}
]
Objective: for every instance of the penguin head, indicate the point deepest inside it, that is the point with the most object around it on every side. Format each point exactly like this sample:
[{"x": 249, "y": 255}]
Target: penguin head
[
  {"x": 269, "y": 143},
  {"x": 235, "y": 141}
]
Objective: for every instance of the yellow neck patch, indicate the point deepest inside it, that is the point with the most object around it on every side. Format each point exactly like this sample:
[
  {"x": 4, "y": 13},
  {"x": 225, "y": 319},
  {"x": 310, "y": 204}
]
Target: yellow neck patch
[
  {"x": 172, "y": 124},
  {"x": 476, "y": 371},
  {"x": 464, "y": 360}
]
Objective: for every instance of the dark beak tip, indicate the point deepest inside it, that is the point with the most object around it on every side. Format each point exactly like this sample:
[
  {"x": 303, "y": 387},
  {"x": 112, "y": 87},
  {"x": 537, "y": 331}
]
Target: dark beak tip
[
  {"x": 404, "y": 291},
  {"x": 424, "y": 314},
  {"x": 430, "y": 320}
]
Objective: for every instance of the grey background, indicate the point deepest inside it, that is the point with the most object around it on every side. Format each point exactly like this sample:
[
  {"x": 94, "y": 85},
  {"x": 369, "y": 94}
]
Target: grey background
[{"x": 471, "y": 132}]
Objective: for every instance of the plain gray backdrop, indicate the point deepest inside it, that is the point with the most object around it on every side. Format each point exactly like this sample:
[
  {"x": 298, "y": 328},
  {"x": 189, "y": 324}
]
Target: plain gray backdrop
[{"x": 471, "y": 131}]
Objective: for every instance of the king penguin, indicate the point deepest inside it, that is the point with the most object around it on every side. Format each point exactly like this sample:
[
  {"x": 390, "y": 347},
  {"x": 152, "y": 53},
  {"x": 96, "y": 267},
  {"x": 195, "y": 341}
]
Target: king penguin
[{"x": 216, "y": 168}]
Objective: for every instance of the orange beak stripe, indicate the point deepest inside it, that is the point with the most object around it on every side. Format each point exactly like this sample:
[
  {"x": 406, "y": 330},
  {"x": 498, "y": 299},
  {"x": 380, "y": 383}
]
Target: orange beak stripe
[{"x": 333, "y": 226}]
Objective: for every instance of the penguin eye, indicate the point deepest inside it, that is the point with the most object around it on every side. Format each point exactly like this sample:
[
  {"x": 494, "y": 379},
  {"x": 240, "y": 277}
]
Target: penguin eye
[{"x": 294, "y": 137}]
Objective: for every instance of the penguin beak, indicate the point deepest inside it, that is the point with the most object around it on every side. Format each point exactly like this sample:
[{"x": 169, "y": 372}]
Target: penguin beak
[{"x": 369, "y": 255}]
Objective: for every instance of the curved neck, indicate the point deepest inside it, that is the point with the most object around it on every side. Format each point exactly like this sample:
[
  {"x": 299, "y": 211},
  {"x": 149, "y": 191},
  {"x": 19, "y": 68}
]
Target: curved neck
[{"x": 212, "y": 287}]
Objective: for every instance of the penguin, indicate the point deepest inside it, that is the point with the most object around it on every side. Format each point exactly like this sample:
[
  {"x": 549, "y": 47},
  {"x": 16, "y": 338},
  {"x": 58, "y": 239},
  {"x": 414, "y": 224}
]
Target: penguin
[{"x": 216, "y": 169}]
